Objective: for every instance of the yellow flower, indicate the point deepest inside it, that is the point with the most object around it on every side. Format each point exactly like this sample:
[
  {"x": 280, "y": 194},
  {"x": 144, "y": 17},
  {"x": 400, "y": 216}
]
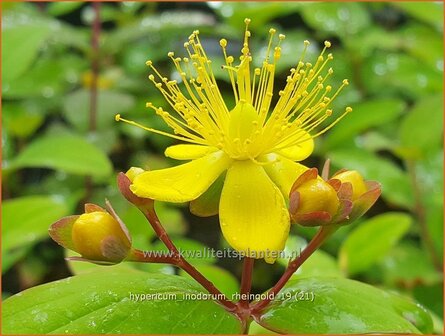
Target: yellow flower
[{"x": 254, "y": 143}]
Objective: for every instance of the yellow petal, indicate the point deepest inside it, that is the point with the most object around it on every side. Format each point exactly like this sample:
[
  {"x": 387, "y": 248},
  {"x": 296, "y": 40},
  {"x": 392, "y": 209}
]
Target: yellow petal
[
  {"x": 253, "y": 214},
  {"x": 181, "y": 183},
  {"x": 188, "y": 152},
  {"x": 283, "y": 172},
  {"x": 299, "y": 152}
]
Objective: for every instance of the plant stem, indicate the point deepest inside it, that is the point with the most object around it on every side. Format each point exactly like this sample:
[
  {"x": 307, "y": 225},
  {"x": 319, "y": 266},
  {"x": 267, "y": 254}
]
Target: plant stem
[
  {"x": 246, "y": 282},
  {"x": 323, "y": 233},
  {"x": 96, "y": 28},
  {"x": 244, "y": 302},
  {"x": 178, "y": 260},
  {"x": 421, "y": 216},
  {"x": 94, "y": 66}
]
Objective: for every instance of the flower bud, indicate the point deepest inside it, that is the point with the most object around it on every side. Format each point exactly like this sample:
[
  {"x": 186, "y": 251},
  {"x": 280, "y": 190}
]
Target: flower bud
[
  {"x": 313, "y": 201},
  {"x": 97, "y": 235},
  {"x": 352, "y": 176},
  {"x": 362, "y": 193}
]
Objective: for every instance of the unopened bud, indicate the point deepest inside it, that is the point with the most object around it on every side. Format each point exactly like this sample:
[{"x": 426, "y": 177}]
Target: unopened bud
[
  {"x": 99, "y": 236},
  {"x": 313, "y": 201},
  {"x": 358, "y": 184}
]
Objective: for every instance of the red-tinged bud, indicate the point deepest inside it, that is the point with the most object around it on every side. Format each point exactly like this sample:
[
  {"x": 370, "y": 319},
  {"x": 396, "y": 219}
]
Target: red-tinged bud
[
  {"x": 363, "y": 194},
  {"x": 352, "y": 176},
  {"x": 314, "y": 201},
  {"x": 97, "y": 235},
  {"x": 124, "y": 181}
]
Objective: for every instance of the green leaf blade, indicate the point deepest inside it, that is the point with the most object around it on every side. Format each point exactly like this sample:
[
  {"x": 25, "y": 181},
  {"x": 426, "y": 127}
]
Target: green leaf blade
[
  {"x": 372, "y": 240},
  {"x": 99, "y": 303},
  {"x": 341, "y": 306},
  {"x": 27, "y": 219},
  {"x": 67, "y": 153}
]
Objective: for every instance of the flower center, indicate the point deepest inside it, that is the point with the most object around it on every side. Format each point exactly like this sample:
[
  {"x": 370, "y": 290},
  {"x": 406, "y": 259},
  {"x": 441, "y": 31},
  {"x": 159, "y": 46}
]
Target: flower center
[
  {"x": 253, "y": 127},
  {"x": 243, "y": 126}
]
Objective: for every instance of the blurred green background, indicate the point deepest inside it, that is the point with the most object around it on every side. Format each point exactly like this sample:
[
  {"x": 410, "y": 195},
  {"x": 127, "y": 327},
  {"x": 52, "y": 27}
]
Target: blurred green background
[{"x": 55, "y": 157}]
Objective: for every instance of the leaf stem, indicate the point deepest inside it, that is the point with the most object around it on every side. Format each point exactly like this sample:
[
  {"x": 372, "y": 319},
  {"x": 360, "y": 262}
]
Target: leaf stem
[{"x": 323, "y": 233}]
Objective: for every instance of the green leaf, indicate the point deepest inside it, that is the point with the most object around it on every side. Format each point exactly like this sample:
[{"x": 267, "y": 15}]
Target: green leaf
[
  {"x": 340, "y": 19},
  {"x": 396, "y": 185},
  {"x": 342, "y": 306},
  {"x": 21, "y": 41},
  {"x": 109, "y": 103},
  {"x": 47, "y": 78},
  {"x": 261, "y": 13},
  {"x": 429, "y": 12},
  {"x": 67, "y": 153},
  {"x": 105, "y": 302},
  {"x": 372, "y": 240},
  {"x": 424, "y": 43},
  {"x": 408, "y": 265},
  {"x": 177, "y": 22},
  {"x": 365, "y": 115},
  {"x": 422, "y": 128},
  {"x": 222, "y": 279},
  {"x": 428, "y": 295},
  {"x": 21, "y": 120},
  {"x": 62, "y": 8},
  {"x": 26, "y": 219},
  {"x": 389, "y": 73}
]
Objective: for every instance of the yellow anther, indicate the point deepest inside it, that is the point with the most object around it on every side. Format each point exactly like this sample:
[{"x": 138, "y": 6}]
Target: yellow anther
[
  {"x": 345, "y": 82},
  {"x": 306, "y": 43},
  {"x": 281, "y": 37},
  {"x": 151, "y": 77},
  {"x": 327, "y": 44},
  {"x": 223, "y": 43},
  {"x": 349, "y": 109},
  {"x": 247, "y": 21},
  {"x": 149, "y": 63},
  {"x": 117, "y": 117},
  {"x": 272, "y": 31},
  {"x": 171, "y": 54}
]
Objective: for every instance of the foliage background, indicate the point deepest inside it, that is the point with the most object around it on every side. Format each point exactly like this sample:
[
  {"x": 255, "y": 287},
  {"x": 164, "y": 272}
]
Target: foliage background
[{"x": 54, "y": 158}]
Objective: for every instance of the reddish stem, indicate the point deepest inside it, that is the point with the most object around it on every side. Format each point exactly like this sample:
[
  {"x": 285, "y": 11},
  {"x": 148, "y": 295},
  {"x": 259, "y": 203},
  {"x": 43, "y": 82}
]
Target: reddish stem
[
  {"x": 246, "y": 282},
  {"x": 323, "y": 233},
  {"x": 141, "y": 256},
  {"x": 244, "y": 302},
  {"x": 177, "y": 259}
]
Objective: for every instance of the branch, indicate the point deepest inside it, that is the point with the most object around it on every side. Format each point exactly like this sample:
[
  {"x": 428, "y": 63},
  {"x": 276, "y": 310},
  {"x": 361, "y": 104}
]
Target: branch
[{"x": 323, "y": 233}]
